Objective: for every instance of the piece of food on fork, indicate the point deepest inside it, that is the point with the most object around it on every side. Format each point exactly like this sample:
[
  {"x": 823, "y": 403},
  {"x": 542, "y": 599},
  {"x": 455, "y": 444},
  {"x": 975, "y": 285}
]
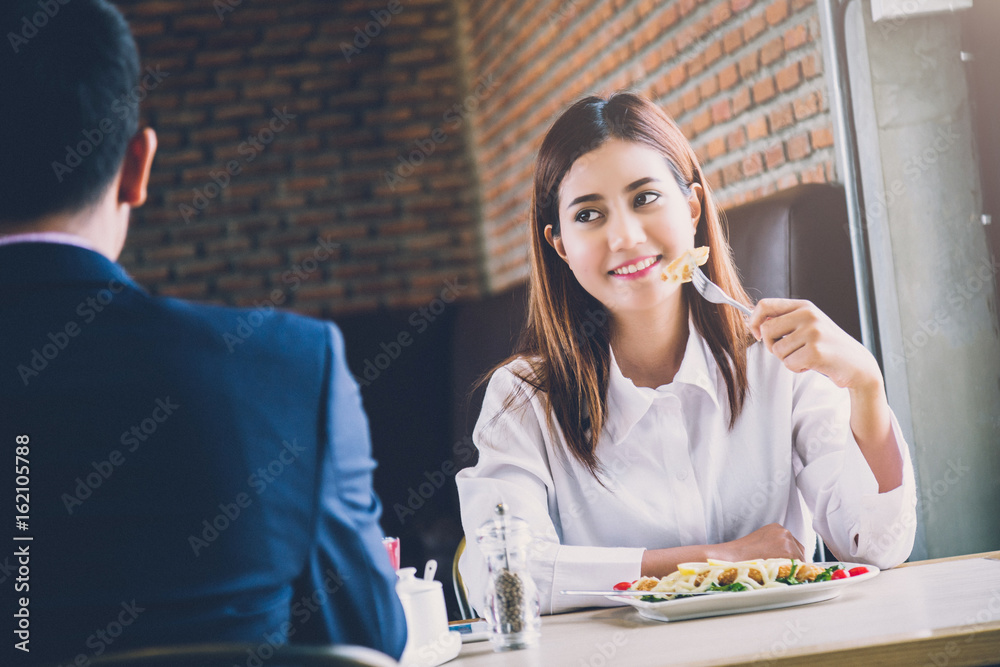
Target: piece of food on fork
[{"x": 681, "y": 269}]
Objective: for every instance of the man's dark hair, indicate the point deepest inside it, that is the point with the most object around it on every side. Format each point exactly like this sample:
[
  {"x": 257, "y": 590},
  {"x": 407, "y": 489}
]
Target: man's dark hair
[{"x": 68, "y": 108}]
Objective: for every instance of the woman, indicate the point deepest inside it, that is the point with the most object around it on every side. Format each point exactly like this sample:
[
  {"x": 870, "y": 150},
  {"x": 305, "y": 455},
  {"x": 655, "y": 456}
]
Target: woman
[{"x": 640, "y": 426}]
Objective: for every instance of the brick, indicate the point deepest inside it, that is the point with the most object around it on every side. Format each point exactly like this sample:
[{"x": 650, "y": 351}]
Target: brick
[
  {"x": 168, "y": 253},
  {"x": 788, "y": 181},
  {"x": 753, "y": 164},
  {"x": 239, "y": 283},
  {"x": 774, "y": 156},
  {"x": 729, "y": 76},
  {"x": 741, "y": 100},
  {"x": 822, "y": 138},
  {"x": 201, "y": 268},
  {"x": 776, "y": 12},
  {"x": 763, "y": 90},
  {"x": 806, "y": 107},
  {"x": 749, "y": 64},
  {"x": 721, "y": 112},
  {"x": 709, "y": 87},
  {"x": 211, "y": 96},
  {"x": 816, "y": 174},
  {"x": 781, "y": 117},
  {"x": 305, "y": 183},
  {"x": 740, "y": 5},
  {"x": 691, "y": 99},
  {"x": 721, "y": 13},
  {"x": 773, "y": 50},
  {"x": 200, "y": 22},
  {"x": 329, "y": 121},
  {"x": 796, "y": 37},
  {"x": 242, "y": 110},
  {"x": 757, "y": 128},
  {"x": 732, "y": 173},
  {"x": 696, "y": 65},
  {"x": 753, "y": 27},
  {"x": 798, "y": 147},
  {"x": 733, "y": 40},
  {"x": 799, "y": 5},
  {"x": 811, "y": 66},
  {"x": 702, "y": 121},
  {"x": 291, "y": 31},
  {"x": 716, "y": 147},
  {"x": 712, "y": 53},
  {"x": 218, "y": 58},
  {"x": 789, "y": 77},
  {"x": 313, "y": 291},
  {"x": 268, "y": 90},
  {"x": 677, "y": 76},
  {"x": 736, "y": 139}
]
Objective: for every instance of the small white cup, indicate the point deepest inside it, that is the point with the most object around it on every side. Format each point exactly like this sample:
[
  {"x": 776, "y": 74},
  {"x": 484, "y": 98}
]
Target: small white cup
[{"x": 428, "y": 642}]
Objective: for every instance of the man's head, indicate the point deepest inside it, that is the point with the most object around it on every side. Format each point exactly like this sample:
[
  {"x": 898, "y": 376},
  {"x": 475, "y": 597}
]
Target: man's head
[{"x": 71, "y": 156}]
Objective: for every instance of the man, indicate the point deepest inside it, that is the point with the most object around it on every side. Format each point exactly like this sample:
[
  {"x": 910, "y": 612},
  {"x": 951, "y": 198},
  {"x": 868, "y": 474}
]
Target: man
[{"x": 171, "y": 486}]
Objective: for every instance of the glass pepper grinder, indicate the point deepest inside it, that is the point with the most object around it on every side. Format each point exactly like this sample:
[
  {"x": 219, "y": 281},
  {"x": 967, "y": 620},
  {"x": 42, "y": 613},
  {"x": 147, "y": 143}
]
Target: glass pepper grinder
[{"x": 511, "y": 595}]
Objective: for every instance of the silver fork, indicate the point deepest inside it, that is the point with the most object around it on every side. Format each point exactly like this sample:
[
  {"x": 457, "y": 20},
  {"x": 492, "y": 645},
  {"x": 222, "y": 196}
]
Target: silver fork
[{"x": 713, "y": 292}]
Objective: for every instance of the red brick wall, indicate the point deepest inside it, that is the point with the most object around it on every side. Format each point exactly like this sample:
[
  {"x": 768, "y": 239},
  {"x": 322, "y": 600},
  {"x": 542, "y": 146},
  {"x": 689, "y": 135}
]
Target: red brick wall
[
  {"x": 374, "y": 160},
  {"x": 743, "y": 78},
  {"x": 408, "y": 159}
]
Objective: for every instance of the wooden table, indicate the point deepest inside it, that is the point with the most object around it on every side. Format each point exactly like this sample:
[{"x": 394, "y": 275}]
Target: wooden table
[{"x": 942, "y": 613}]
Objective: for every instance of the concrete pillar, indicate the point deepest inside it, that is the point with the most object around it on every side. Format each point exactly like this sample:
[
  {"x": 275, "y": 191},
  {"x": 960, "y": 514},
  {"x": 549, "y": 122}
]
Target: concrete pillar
[{"x": 933, "y": 273}]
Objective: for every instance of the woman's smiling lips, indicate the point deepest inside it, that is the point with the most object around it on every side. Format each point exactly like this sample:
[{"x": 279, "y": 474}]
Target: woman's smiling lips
[{"x": 636, "y": 268}]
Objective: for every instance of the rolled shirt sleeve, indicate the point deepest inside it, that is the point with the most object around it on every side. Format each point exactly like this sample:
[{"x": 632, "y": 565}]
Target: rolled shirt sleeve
[{"x": 858, "y": 523}]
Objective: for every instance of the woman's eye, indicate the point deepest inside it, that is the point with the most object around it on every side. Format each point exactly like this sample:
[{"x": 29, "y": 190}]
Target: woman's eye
[
  {"x": 587, "y": 215},
  {"x": 644, "y": 198}
]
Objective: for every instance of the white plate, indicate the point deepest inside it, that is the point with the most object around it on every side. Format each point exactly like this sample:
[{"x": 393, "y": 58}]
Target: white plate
[{"x": 721, "y": 604}]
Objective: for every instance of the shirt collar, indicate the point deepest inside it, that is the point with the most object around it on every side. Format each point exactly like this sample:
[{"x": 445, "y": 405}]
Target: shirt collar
[
  {"x": 627, "y": 403},
  {"x": 47, "y": 237}
]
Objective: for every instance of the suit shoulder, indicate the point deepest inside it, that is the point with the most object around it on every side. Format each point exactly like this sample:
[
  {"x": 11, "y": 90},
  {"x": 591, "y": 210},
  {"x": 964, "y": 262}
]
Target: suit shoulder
[{"x": 250, "y": 328}]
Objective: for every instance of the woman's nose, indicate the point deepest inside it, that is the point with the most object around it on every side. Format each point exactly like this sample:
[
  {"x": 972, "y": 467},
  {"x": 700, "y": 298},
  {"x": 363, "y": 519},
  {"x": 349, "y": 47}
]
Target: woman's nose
[{"x": 625, "y": 231}]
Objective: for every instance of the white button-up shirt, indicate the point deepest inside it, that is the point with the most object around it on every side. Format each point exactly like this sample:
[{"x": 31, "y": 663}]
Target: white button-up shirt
[{"x": 675, "y": 475}]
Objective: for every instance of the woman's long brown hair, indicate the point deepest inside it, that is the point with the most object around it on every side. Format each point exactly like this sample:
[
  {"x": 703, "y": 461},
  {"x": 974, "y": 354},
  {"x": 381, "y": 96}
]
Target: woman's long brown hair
[{"x": 566, "y": 338}]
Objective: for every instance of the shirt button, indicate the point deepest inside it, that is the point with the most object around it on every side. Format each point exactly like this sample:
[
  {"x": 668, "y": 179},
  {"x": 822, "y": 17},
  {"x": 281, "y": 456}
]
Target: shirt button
[{"x": 682, "y": 475}]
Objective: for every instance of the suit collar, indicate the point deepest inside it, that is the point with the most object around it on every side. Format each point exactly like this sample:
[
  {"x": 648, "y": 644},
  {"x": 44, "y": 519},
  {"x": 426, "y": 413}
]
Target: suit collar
[{"x": 55, "y": 263}]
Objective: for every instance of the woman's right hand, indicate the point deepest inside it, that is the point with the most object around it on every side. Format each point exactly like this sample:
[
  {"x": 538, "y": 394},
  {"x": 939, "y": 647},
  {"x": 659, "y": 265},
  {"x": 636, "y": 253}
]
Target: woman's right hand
[{"x": 771, "y": 541}]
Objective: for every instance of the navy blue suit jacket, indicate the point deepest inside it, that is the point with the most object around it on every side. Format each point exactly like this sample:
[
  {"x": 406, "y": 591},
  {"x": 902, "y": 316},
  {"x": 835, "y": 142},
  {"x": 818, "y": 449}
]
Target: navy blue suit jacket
[{"x": 196, "y": 473}]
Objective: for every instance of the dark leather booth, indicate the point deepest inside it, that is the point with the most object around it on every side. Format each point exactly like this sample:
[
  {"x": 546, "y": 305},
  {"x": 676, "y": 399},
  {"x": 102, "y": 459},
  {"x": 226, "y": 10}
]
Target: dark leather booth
[{"x": 791, "y": 244}]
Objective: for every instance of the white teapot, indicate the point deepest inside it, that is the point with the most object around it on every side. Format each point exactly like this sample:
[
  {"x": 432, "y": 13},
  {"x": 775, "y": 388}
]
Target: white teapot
[{"x": 428, "y": 641}]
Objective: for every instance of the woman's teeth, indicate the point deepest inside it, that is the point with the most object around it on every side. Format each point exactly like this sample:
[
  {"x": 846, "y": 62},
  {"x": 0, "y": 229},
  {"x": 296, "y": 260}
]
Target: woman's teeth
[{"x": 638, "y": 266}]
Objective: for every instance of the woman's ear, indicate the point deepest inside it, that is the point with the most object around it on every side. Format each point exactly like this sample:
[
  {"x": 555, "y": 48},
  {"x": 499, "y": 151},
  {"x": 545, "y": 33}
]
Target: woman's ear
[
  {"x": 696, "y": 201},
  {"x": 555, "y": 242}
]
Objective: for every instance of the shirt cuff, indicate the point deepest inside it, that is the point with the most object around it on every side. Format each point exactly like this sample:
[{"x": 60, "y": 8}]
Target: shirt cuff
[
  {"x": 886, "y": 521},
  {"x": 590, "y": 568}
]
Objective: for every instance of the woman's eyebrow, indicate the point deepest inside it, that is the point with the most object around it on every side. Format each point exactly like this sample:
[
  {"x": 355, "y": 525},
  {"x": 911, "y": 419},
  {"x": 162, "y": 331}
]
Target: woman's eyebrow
[
  {"x": 641, "y": 182},
  {"x": 628, "y": 188}
]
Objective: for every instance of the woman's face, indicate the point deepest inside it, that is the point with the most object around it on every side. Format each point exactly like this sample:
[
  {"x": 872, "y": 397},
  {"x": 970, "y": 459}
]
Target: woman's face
[{"x": 622, "y": 219}]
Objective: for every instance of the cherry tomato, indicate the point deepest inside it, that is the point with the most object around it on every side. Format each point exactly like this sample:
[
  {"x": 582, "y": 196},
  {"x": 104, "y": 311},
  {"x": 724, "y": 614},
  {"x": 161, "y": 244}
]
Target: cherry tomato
[
  {"x": 623, "y": 585},
  {"x": 840, "y": 574},
  {"x": 855, "y": 571}
]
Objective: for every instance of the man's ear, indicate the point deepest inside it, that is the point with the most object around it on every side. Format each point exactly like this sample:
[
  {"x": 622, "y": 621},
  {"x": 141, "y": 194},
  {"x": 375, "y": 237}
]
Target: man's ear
[
  {"x": 696, "y": 201},
  {"x": 136, "y": 167},
  {"x": 555, "y": 242}
]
